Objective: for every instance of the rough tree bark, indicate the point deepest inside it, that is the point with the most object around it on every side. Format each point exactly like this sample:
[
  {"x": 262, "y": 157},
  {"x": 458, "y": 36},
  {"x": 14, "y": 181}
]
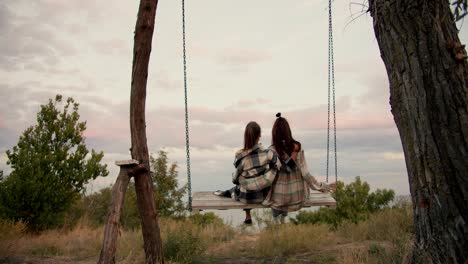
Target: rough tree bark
[
  {"x": 113, "y": 218},
  {"x": 428, "y": 74},
  {"x": 143, "y": 184}
]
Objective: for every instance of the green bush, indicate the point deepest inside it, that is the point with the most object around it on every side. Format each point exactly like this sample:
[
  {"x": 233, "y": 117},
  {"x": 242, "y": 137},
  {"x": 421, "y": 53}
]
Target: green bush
[
  {"x": 182, "y": 246},
  {"x": 354, "y": 203},
  {"x": 50, "y": 167},
  {"x": 206, "y": 219},
  {"x": 167, "y": 194}
]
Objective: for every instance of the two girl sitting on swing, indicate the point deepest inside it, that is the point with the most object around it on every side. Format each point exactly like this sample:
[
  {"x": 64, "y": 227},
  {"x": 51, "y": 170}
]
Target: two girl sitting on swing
[{"x": 277, "y": 177}]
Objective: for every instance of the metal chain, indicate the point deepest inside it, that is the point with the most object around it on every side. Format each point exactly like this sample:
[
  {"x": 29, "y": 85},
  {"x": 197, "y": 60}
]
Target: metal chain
[
  {"x": 331, "y": 86},
  {"x": 187, "y": 141},
  {"x": 329, "y": 76},
  {"x": 332, "y": 60}
]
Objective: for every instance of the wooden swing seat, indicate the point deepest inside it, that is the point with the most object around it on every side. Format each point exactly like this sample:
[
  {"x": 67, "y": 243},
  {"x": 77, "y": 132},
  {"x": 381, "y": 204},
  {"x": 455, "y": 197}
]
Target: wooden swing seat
[{"x": 207, "y": 200}]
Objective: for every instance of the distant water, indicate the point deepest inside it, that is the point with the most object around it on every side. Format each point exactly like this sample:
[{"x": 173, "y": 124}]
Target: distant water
[{"x": 235, "y": 217}]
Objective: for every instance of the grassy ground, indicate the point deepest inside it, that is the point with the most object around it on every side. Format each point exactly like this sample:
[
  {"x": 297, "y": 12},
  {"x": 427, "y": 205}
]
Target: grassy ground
[{"x": 384, "y": 238}]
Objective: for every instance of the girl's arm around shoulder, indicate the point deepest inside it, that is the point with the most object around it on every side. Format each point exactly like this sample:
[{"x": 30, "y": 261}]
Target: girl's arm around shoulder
[
  {"x": 266, "y": 179},
  {"x": 311, "y": 180},
  {"x": 274, "y": 161}
]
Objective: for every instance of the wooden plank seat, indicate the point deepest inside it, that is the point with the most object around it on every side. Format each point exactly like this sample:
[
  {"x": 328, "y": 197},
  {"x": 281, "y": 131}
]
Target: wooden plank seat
[{"x": 207, "y": 200}]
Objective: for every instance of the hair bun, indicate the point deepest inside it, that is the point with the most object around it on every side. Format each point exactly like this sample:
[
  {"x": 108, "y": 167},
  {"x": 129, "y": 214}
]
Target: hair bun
[{"x": 278, "y": 115}]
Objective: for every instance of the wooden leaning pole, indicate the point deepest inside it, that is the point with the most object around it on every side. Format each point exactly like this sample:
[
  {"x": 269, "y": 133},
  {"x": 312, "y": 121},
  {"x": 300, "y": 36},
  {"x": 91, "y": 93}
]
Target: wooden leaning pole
[{"x": 139, "y": 166}]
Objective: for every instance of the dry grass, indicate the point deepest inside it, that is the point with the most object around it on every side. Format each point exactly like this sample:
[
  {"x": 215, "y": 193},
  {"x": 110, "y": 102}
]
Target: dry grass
[
  {"x": 182, "y": 240},
  {"x": 384, "y": 238},
  {"x": 387, "y": 225},
  {"x": 289, "y": 239},
  {"x": 9, "y": 234},
  {"x": 371, "y": 252},
  {"x": 353, "y": 255},
  {"x": 81, "y": 242},
  {"x": 389, "y": 233}
]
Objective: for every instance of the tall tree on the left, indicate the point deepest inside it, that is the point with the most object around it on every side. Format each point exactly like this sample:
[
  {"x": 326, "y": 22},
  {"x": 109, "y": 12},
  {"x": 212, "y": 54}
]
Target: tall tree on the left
[{"x": 50, "y": 167}]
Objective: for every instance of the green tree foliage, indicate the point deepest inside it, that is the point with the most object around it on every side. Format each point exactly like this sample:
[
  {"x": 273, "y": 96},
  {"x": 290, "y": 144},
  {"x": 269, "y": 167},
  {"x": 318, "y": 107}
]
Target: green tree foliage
[
  {"x": 355, "y": 203},
  {"x": 168, "y": 195},
  {"x": 50, "y": 167},
  {"x": 95, "y": 208},
  {"x": 206, "y": 219}
]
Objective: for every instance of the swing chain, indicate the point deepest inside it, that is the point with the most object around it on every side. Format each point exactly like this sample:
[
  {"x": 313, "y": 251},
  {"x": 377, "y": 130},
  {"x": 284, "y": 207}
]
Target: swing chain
[
  {"x": 187, "y": 141},
  {"x": 333, "y": 90},
  {"x": 331, "y": 86}
]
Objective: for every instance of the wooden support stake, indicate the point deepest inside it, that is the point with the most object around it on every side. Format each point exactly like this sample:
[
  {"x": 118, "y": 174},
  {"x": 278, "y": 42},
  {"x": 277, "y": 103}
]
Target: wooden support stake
[{"x": 113, "y": 218}]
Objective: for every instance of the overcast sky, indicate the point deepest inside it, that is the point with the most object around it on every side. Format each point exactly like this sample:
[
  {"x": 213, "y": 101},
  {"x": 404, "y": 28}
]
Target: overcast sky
[{"x": 247, "y": 60}]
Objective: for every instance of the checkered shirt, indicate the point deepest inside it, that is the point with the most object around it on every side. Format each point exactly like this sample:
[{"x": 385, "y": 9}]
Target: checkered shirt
[
  {"x": 251, "y": 164},
  {"x": 289, "y": 187}
]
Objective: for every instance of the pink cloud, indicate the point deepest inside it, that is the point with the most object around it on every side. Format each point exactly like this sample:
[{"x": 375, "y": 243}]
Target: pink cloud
[
  {"x": 166, "y": 125},
  {"x": 208, "y": 127},
  {"x": 248, "y": 103},
  {"x": 2, "y": 122},
  {"x": 111, "y": 46},
  {"x": 231, "y": 56},
  {"x": 111, "y": 122},
  {"x": 236, "y": 56}
]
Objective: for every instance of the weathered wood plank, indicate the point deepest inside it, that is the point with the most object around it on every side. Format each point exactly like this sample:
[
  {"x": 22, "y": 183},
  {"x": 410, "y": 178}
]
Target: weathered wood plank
[
  {"x": 126, "y": 162},
  {"x": 207, "y": 200}
]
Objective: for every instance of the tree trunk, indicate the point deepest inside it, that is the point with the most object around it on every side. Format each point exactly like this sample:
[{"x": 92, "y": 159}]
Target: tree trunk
[
  {"x": 428, "y": 75},
  {"x": 113, "y": 218},
  {"x": 143, "y": 184}
]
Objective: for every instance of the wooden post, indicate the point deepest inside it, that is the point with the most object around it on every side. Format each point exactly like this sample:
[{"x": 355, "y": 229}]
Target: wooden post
[
  {"x": 143, "y": 183},
  {"x": 113, "y": 218}
]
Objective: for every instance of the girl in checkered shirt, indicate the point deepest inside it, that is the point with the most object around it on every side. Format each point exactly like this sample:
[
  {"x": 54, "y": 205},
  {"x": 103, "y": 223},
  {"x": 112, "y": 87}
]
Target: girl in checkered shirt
[{"x": 250, "y": 162}]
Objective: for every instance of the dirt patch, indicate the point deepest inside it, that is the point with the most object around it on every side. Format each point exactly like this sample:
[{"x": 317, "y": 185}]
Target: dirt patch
[{"x": 44, "y": 260}]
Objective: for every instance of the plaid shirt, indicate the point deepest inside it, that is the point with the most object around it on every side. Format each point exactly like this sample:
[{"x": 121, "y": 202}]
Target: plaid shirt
[
  {"x": 290, "y": 187},
  {"x": 251, "y": 164}
]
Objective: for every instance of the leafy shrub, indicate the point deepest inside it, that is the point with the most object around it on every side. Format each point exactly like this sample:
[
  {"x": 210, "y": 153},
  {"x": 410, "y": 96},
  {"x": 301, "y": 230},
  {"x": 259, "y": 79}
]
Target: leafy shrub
[
  {"x": 167, "y": 194},
  {"x": 206, "y": 219},
  {"x": 186, "y": 239},
  {"x": 354, "y": 203},
  {"x": 50, "y": 167},
  {"x": 182, "y": 246}
]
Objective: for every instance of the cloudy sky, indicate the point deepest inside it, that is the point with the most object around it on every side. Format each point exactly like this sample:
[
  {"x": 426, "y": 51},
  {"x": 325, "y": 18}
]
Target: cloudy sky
[{"x": 247, "y": 60}]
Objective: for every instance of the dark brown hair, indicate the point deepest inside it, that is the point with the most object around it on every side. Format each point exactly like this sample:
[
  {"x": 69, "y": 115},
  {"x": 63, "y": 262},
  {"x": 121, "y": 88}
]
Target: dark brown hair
[
  {"x": 251, "y": 134},
  {"x": 281, "y": 137}
]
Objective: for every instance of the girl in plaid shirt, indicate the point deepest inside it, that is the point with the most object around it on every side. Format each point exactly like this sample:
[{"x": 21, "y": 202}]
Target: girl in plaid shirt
[
  {"x": 251, "y": 162},
  {"x": 290, "y": 186}
]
